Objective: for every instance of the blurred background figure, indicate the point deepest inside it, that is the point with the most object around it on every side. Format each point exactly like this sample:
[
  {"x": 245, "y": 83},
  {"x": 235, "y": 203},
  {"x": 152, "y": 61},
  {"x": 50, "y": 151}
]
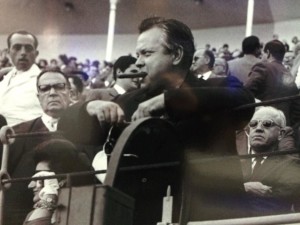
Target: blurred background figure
[{"x": 220, "y": 67}]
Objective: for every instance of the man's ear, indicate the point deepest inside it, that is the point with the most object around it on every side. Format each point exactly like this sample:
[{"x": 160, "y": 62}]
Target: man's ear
[
  {"x": 281, "y": 134},
  {"x": 36, "y": 53},
  {"x": 177, "y": 55}
]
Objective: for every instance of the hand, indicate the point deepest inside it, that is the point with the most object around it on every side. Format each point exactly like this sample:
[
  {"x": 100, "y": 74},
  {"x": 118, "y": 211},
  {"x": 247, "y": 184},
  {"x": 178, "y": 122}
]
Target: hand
[
  {"x": 258, "y": 188},
  {"x": 50, "y": 185},
  {"x": 105, "y": 111},
  {"x": 6, "y": 130},
  {"x": 147, "y": 108}
]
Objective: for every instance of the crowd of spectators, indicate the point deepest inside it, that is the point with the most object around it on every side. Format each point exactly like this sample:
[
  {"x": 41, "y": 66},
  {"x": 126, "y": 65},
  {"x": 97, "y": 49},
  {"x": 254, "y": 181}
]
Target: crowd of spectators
[{"x": 197, "y": 90}]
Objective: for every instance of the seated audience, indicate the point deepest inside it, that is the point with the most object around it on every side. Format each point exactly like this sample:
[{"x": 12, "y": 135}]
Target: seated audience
[
  {"x": 123, "y": 65},
  {"x": 78, "y": 122},
  {"x": 54, "y": 157},
  {"x": 221, "y": 67},
  {"x": 241, "y": 67},
  {"x": 273, "y": 182},
  {"x": 270, "y": 79}
]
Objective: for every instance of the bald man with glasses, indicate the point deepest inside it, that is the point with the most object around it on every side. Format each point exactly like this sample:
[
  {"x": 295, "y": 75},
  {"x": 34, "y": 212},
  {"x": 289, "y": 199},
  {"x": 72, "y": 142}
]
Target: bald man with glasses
[{"x": 273, "y": 182}]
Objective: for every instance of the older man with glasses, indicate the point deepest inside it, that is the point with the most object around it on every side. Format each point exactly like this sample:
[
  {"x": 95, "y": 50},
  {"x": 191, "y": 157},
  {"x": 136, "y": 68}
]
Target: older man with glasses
[
  {"x": 273, "y": 181},
  {"x": 54, "y": 96}
]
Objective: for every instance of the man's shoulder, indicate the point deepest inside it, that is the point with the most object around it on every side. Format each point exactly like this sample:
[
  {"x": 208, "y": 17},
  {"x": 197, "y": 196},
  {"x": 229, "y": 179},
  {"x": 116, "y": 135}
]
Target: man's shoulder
[{"x": 26, "y": 126}]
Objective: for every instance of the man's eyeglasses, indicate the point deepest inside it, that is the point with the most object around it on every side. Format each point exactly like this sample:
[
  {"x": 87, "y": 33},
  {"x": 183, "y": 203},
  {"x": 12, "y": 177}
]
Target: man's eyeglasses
[
  {"x": 57, "y": 87},
  {"x": 265, "y": 123}
]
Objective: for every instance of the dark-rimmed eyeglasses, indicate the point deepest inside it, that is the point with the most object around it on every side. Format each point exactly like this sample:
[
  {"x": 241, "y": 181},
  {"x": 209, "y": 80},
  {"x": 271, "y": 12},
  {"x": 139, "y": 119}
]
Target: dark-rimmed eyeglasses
[
  {"x": 57, "y": 87},
  {"x": 265, "y": 123}
]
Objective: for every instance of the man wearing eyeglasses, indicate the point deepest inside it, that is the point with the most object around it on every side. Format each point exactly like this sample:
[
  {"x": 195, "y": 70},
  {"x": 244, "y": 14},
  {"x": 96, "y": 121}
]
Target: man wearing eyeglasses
[
  {"x": 273, "y": 182},
  {"x": 18, "y": 89},
  {"x": 54, "y": 96}
]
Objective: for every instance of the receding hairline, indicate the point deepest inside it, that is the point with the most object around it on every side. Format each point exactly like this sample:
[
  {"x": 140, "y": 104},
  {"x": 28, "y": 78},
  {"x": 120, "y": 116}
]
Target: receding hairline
[{"x": 278, "y": 114}]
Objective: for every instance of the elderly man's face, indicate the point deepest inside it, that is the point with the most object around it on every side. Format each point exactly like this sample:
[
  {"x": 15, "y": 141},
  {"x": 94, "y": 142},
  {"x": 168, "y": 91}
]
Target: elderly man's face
[
  {"x": 152, "y": 56},
  {"x": 22, "y": 51},
  {"x": 199, "y": 61},
  {"x": 53, "y": 93},
  {"x": 266, "y": 133}
]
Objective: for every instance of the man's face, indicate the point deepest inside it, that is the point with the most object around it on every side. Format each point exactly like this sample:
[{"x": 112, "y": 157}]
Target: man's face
[
  {"x": 152, "y": 57},
  {"x": 199, "y": 61},
  {"x": 22, "y": 51},
  {"x": 53, "y": 93},
  {"x": 263, "y": 138}
]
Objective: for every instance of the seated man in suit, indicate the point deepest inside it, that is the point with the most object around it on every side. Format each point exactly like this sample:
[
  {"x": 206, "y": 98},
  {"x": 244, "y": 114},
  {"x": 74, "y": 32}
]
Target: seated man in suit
[
  {"x": 273, "y": 182},
  {"x": 203, "y": 63},
  {"x": 54, "y": 97}
]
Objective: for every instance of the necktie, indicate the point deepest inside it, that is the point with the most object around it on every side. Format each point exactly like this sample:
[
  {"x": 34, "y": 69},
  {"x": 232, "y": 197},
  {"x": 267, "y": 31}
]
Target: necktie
[{"x": 257, "y": 165}]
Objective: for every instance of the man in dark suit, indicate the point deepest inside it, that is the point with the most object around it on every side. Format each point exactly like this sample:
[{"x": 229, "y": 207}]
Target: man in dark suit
[
  {"x": 54, "y": 96},
  {"x": 270, "y": 79},
  {"x": 273, "y": 182},
  {"x": 202, "y": 111}
]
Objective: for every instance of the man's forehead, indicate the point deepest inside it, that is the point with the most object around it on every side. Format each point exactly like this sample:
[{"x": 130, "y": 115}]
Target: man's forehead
[
  {"x": 199, "y": 53},
  {"x": 265, "y": 114},
  {"x": 51, "y": 77},
  {"x": 22, "y": 39},
  {"x": 151, "y": 38}
]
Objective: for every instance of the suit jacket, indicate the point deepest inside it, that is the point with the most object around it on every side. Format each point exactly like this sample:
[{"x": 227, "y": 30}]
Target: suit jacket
[
  {"x": 271, "y": 80},
  {"x": 107, "y": 94},
  {"x": 202, "y": 113},
  {"x": 18, "y": 198},
  {"x": 76, "y": 126},
  {"x": 282, "y": 174},
  {"x": 241, "y": 67}
]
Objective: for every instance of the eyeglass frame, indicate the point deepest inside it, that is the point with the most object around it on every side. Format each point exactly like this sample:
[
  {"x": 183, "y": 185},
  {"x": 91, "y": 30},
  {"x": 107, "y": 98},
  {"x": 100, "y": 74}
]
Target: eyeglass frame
[
  {"x": 273, "y": 123},
  {"x": 54, "y": 86}
]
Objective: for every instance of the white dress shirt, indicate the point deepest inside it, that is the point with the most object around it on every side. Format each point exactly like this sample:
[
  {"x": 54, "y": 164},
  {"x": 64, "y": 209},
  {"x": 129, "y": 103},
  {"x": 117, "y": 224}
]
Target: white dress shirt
[
  {"x": 50, "y": 123},
  {"x": 205, "y": 76},
  {"x": 18, "y": 96}
]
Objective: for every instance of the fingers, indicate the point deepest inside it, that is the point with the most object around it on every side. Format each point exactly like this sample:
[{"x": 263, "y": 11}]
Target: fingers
[
  {"x": 141, "y": 112},
  {"x": 106, "y": 112}
]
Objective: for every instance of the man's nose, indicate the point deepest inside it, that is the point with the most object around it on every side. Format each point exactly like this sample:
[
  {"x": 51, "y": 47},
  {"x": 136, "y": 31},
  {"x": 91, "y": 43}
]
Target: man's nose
[
  {"x": 52, "y": 91},
  {"x": 23, "y": 50},
  {"x": 139, "y": 62},
  {"x": 32, "y": 184}
]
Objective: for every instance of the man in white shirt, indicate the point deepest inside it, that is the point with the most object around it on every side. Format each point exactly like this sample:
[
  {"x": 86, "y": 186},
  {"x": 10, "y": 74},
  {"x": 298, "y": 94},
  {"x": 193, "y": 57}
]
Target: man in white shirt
[{"x": 18, "y": 88}]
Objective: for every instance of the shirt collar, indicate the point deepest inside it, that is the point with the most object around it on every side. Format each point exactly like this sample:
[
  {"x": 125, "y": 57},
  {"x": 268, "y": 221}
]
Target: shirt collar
[
  {"x": 205, "y": 75},
  {"x": 50, "y": 122},
  {"x": 119, "y": 89}
]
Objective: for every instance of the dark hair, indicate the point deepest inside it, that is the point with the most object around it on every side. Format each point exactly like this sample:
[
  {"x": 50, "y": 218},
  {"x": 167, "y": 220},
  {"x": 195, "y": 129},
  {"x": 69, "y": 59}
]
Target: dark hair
[
  {"x": 211, "y": 57},
  {"x": 250, "y": 45},
  {"x": 276, "y": 49},
  {"x": 177, "y": 35},
  {"x": 23, "y": 32},
  {"x": 123, "y": 63},
  {"x": 63, "y": 157},
  {"x": 77, "y": 82},
  {"x": 79, "y": 73},
  {"x": 52, "y": 70}
]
